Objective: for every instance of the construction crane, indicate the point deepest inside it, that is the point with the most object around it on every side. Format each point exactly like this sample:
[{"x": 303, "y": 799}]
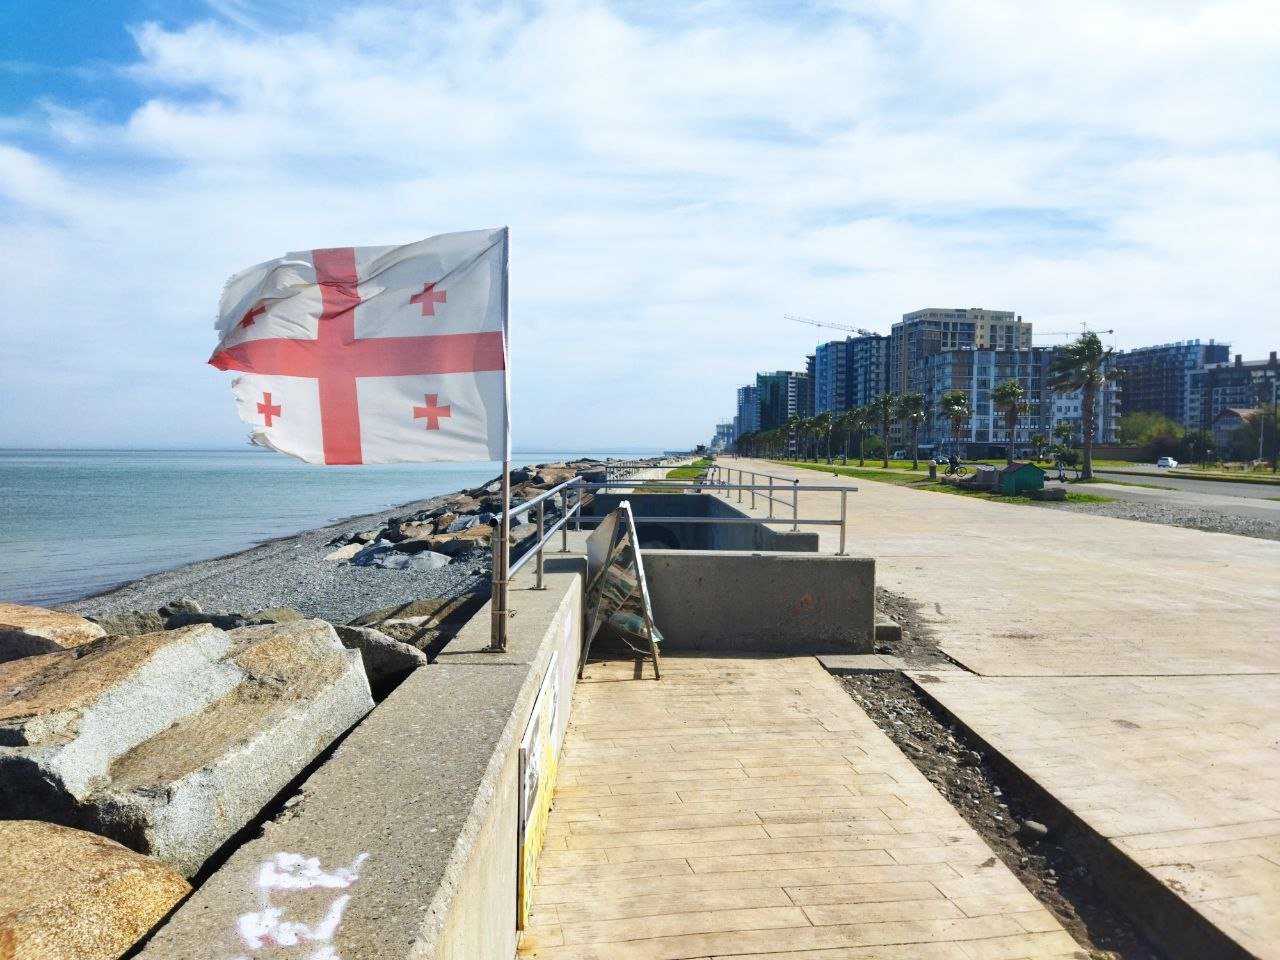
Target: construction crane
[
  {"x": 1069, "y": 333},
  {"x": 860, "y": 331}
]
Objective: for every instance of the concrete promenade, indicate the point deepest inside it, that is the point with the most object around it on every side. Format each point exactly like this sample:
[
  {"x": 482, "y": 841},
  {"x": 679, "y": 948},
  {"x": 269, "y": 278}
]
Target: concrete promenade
[
  {"x": 1130, "y": 670},
  {"x": 746, "y": 807}
]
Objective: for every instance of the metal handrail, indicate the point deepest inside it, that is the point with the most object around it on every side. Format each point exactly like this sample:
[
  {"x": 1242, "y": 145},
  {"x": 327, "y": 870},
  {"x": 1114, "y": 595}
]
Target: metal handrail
[{"x": 572, "y": 510}]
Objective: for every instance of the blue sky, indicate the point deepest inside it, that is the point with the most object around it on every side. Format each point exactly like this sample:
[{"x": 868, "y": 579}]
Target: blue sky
[{"x": 676, "y": 175}]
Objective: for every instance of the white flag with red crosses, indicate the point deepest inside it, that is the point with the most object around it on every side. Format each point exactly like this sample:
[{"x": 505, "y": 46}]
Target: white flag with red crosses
[{"x": 374, "y": 354}]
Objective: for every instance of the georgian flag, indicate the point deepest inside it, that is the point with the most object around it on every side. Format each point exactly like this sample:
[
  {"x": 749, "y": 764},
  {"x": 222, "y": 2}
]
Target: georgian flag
[{"x": 373, "y": 354}]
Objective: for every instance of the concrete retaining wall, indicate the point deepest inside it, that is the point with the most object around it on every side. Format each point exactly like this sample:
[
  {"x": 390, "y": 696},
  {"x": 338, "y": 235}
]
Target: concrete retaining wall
[
  {"x": 699, "y": 536},
  {"x": 407, "y": 833},
  {"x": 784, "y": 603}
]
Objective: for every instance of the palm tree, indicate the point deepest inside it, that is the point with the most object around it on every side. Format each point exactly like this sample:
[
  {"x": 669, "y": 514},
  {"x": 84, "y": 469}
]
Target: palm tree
[
  {"x": 913, "y": 408},
  {"x": 862, "y": 420},
  {"x": 792, "y": 428},
  {"x": 1038, "y": 442},
  {"x": 843, "y": 423},
  {"x": 1084, "y": 365},
  {"x": 823, "y": 424},
  {"x": 955, "y": 407},
  {"x": 885, "y": 407},
  {"x": 1011, "y": 400}
]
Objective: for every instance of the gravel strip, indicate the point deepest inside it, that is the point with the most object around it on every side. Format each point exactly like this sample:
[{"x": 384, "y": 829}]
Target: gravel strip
[
  {"x": 292, "y": 572},
  {"x": 1212, "y": 521}
]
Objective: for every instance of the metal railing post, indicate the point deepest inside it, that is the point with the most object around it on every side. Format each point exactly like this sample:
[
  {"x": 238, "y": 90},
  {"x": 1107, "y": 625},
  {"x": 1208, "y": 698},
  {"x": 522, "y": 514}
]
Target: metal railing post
[
  {"x": 564, "y": 526},
  {"x": 770, "y": 496},
  {"x": 753, "y": 489},
  {"x": 795, "y": 504},
  {"x": 541, "y": 528},
  {"x": 739, "y": 484},
  {"x": 844, "y": 499}
]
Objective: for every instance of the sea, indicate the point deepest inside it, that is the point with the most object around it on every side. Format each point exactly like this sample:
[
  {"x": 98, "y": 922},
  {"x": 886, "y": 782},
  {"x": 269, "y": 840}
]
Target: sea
[{"x": 77, "y": 522}]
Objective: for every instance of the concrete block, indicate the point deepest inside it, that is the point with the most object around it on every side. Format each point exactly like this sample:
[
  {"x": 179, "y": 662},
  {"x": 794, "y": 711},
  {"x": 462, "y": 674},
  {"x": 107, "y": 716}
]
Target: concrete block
[
  {"x": 887, "y": 629},
  {"x": 69, "y": 895},
  {"x": 1049, "y": 493},
  {"x": 171, "y": 742},
  {"x": 779, "y": 602},
  {"x": 863, "y": 663},
  {"x": 31, "y": 631}
]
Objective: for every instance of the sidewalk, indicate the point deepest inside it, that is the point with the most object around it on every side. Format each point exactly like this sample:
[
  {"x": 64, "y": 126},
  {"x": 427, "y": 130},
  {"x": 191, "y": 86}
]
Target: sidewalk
[
  {"x": 746, "y": 807},
  {"x": 1131, "y": 670}
]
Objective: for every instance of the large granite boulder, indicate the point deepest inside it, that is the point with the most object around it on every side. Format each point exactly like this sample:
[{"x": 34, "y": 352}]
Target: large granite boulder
[
  {"x": 171, "y": 742},
  {"x": 30, "y": 631},
  {"x": 129, "y": 623},
  {"x": 69, "y": 895},
  {"x": 387, "y": 661}
]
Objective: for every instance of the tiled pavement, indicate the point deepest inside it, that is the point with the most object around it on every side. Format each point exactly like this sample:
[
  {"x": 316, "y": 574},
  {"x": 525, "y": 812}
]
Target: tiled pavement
[
  {"x": 1131, "y": 669},
  {"x": 746, "y": 807}
]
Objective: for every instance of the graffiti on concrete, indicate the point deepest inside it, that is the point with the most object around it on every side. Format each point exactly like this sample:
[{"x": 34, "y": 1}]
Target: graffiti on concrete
[{"x": 276, "y": 924}]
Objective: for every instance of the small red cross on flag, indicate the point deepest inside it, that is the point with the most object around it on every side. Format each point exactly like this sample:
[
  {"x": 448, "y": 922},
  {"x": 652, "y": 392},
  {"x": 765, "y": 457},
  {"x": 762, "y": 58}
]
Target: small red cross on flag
[{"x": 360, "y": 345}]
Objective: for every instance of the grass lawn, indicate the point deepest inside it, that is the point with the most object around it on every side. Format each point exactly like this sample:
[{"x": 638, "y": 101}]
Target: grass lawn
[
  {"x": 691, "y": 472},
  {"x": 920, "y": 481}
]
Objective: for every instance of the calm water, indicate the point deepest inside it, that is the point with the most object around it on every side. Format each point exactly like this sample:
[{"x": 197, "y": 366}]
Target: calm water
[{"x": 73, "y": 522}]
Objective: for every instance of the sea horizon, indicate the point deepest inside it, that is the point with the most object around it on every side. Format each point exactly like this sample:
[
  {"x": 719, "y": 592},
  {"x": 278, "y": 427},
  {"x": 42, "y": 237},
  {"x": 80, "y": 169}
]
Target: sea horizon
[{"x": 77, "y": 521}]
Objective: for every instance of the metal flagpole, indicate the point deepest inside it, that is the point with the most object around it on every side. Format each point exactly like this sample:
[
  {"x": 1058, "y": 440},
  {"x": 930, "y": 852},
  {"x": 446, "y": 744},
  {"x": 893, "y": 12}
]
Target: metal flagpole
[{"x": 502, "y": 545}]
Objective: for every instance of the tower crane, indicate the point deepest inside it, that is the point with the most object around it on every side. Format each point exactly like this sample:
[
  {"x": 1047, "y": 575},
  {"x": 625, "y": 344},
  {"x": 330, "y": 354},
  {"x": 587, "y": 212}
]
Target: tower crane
[
  {"x": 860, "y": 331},
  {"x": 1068, "y": 333}
]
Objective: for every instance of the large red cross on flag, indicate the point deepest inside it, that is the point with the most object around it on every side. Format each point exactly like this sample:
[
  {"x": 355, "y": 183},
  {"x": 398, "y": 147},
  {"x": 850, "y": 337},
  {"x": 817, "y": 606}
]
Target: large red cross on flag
[{"x": 343, "y": 349}]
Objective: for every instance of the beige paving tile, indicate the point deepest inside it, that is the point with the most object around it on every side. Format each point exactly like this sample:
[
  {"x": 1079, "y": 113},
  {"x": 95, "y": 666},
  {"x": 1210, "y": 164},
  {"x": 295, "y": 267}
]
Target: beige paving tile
[{"x": 751, "y": 847}]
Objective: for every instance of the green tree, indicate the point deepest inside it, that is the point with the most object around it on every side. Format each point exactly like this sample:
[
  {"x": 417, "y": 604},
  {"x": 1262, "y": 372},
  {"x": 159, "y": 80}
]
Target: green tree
[
  {"x": 955, "y": 407},
  {"x": 914, "y": 409},
  {"x": 885, "y": 407},
  {"x": 1156, "y": 434},
  {"x": 1063, "y": 432},
  {"x": 1084, "y": 365},
  {"x": 844, "y": 423},
  {"x": 1039, "y": 443},
  {"x": 1011, "y": 400},
  {"x": 822, "y": 427},
  {"x": 862, "y": 420}
]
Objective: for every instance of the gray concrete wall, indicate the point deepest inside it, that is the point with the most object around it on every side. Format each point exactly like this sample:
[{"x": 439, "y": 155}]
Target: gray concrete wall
[
  {"x": 414, "y": 813},
  {"x": 779, "y": 602}
]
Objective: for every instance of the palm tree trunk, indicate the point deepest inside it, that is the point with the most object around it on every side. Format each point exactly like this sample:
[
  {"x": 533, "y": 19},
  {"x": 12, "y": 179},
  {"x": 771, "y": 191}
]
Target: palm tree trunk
[
  {"x": 862, "y": 454},
  {"x": 915, "y": 445},
  {"x": 1011, "y": 424},
  {"x": 884, "y": 435},
  {"x": 1086, "y": 408}
]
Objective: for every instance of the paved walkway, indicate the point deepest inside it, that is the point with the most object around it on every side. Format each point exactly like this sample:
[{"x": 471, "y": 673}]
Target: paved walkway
[
  {"x": 1131, "y": 669},
  {"x": 746, "y": 807}
]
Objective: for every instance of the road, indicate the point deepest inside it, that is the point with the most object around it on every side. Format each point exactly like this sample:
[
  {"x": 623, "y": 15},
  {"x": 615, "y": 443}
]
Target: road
[
  {"x": 1217, "y": 488},
  {"x": 1237, "y": 506}
]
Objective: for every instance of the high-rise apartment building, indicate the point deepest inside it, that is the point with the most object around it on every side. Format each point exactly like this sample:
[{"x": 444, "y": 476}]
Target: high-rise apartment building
[
  {"x": 1240, "y": 384},
  {"x": 850, "y": 373},
  {"x": 747, "y": 419},
  {"x": 782, "y": 395},
  {"x": 933, "y": 330},
  {"x": 975, "y": 372},
  {"x": 1158, "y": 379}
]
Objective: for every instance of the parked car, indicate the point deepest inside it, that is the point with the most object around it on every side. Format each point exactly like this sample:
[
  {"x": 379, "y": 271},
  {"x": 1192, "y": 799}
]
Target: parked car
[{"x": 1166, "y": 462}]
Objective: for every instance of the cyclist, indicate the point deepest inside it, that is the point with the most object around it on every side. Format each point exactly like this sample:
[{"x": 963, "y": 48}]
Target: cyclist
[{"x": 953, "y": 462}]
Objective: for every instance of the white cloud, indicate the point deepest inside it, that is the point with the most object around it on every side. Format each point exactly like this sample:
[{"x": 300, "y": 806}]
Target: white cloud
[{"x": 676, "y": 179}]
